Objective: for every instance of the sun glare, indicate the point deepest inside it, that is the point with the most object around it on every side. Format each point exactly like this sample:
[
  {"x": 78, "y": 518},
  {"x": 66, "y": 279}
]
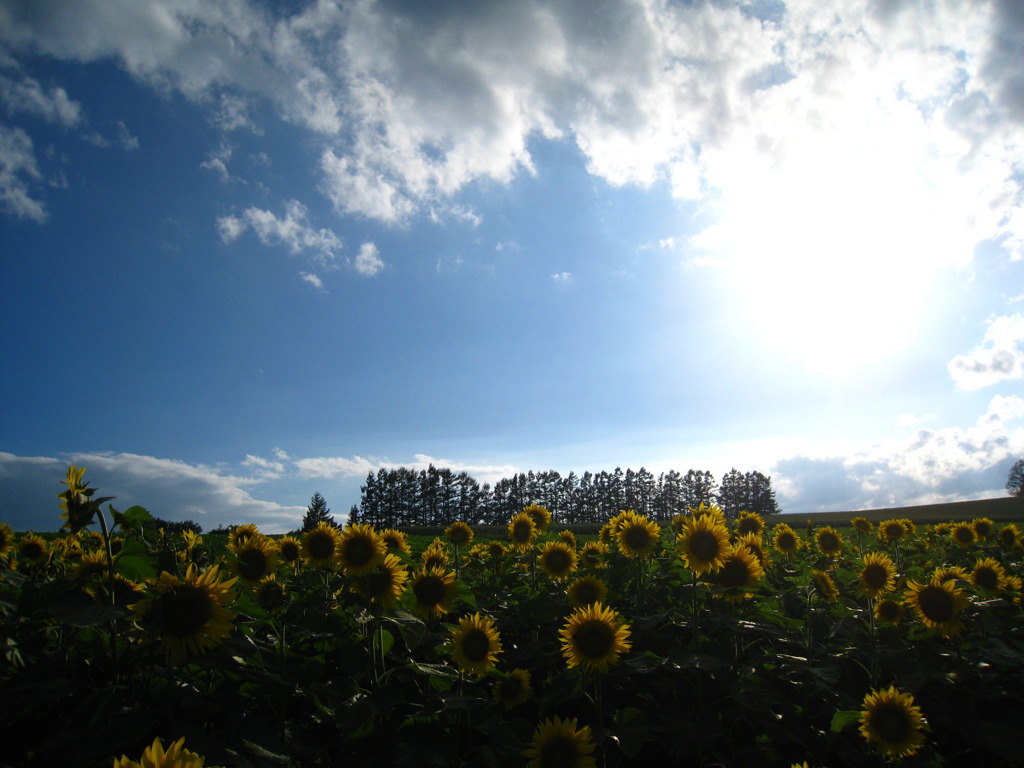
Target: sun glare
[{"x": 833, "y": 239}]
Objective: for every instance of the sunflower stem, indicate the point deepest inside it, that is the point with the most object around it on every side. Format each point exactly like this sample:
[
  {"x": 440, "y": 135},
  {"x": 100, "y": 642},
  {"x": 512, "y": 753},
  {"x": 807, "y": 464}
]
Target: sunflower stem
[{"x": 110, "y": 589}]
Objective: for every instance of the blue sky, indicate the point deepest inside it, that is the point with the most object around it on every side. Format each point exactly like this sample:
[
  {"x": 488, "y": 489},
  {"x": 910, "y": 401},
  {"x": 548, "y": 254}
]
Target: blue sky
[{"x": 252, "y": 251}]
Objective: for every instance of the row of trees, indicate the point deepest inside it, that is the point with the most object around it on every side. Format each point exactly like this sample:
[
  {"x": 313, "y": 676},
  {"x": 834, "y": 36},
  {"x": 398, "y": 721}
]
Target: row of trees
[{"x": 403, "y": 497}]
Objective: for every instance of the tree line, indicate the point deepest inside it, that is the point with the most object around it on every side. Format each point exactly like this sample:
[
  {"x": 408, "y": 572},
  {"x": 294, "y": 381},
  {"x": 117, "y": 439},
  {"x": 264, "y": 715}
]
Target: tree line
[{"x": 394, "y": 498}]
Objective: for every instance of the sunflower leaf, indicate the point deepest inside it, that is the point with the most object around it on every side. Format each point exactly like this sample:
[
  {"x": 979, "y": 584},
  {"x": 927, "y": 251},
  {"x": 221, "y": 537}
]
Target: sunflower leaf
[{"x": 844, "y": 718}]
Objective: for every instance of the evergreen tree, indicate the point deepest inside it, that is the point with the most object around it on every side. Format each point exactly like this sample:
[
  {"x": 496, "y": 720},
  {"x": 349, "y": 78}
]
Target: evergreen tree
[
  {"x": 732, "y": 493},
  {"x": 317, "y": 512},
  {"x": 1015, "y": 481},
  {"x": 760, "y": 496}
]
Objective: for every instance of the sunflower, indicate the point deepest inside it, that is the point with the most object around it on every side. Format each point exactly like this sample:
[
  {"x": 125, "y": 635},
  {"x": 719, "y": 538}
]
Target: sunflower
[
  {"x": 269, "y": 593},
  {"x": 386, "y": 583},
  {"x": 396, "y": 541},
  {"x": 496, "y": 550},
  {"x": 739, "y": 574},
  {"x": 593, "y": 637},
  {"x": 290, "y": 549},
  {"x": 1009, "y": 537},
  {"x": 6, "y": 538},
  {"x": 637, "y": 536},
  {"x": 891, "y": 530},
  {"x": 983, "y": 527},
  {"x": 90, "y": 563},
  {"x": 937, "y": 605},
  {"x": 989, "y": 575},
  {"x": 459, "y": 534},
  {"x": 703, "y": 544},
  {"x": 749, "y": 522},
  {"x": 242, "y": 532},
  {"x": 475, "y": 644},
  {"x": 678, "y": 522},
  {"x": 825, "y": 585},
  {"x": 513, "y": 688},
  {"x": 755, "y": 543},
  {"x": 154, "y": 756},
  {"x": 361, "y": 549},
  {"x": 560, "y": 743},
  {"x": 568, "y": 537},
  {"x": 557, "y": 559},
  {"x": 255, "y": 557},
  {"x": 861, "y": 525},
  {"x": 892, "y": 723},
  {"x": 830, "y": 541},
  {"x": 785, "y": 540},
  {"x": 434, "y": 591},
  {"x": 540, "y": 515},
  {"x": 188, "y": 615},
  {"x": 320, "y": 545},
  {"x": 963, "y": 535},
  {"x": 586, "y": 590},
  {"x": 945, "y": 573},
  {"x": 126, "y": 591},
  {"x": 435, "y": 556},
  {"x": 522, "y": 531},
  {"x": 888, "y": 611},
  {"x": 592, "y": 555},
  {"x": 32, "y": 549},
  {"x": 712, "y": 510},
  {"x": 878, "y": 575}
]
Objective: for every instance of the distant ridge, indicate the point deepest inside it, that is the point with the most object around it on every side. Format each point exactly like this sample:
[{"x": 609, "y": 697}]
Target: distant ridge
[{"x": 1005, "y": 508}]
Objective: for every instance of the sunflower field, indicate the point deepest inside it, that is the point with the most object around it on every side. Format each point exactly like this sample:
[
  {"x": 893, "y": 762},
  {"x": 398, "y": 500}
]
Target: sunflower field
[{"x": 709, "y": 642}]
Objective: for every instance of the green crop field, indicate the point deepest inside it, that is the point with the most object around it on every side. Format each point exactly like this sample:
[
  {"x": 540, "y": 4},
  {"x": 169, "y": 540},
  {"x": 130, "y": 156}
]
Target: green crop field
[{"x": 839, "y": 639}]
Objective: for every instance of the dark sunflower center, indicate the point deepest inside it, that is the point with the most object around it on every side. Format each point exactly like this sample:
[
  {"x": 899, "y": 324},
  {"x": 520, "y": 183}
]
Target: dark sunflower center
[
  {"x": 359, "y": 551},
  {"x": 888, "y": 610},
  {"x": 476, "y": 645},
  {"x": 891, "y": 723},
  {"x": 875, "y": 576},
  {"x": 1006, "y": 537},
  {"x": 894, "y": 531},
  {"x": 587, "y": 593},
  {"x": 434, "y": 560},
  {"x": 521, "y": 531},
  {"x": 637, "y": 538},
  {"x": 964, "y": 535},
  {"x": 511, "y": 687},
  {"x": 429, "y": 590},
  {"x": 557, "y": 561},
  {"x": 986, "y": 577},
  {"x": 321, "y": 546},
  {"x": 936, "y": 603},
  {"x": 31, "y": 550},
  {"x": 459, "y": 536},
  {"x": 735, "y": 573},
  {"x": 270, "y": 596},
  {"x": 829, "y": 542},
  {"x": 748, "y": 525},
  {"x": 594, "y": 639},
  {"x": 252, "y": 564},
  {"x": 559, "y": 752},
  {"x": 786, "y": 542},
  {"x": 704, "y": 546},
  {"x": 982, "y": 529},
  {"x": 289, "y": 551},
  {"x": 185, "y": 610},
  {"x": 379, "y": 583}
]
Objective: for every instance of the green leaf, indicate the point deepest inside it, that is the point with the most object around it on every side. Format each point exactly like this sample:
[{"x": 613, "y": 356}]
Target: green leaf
[
  {"x": 844, "y": 718},
  {"x": 384, "y": 639},
  {"x": 79, "y": 610}
]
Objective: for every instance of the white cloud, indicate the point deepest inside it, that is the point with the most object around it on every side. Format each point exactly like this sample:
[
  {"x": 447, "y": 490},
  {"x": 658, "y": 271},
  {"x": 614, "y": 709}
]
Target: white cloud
[
  {"x": 17, "y": 169},
  {"x": 999, "y": 357},
  {"x": 928, "y": 466},
  {"x": 27, "y": 95},
  {"x": 368, "y": 263},
  {"x": 312, "y": 279},
  {"x": 291, "y": 230},
  {"x": 170, "y": 489},
  {"x": 359, "y": 467},
  {"x": 562, "y": 277},
  {"x": 217, "y": 160}
]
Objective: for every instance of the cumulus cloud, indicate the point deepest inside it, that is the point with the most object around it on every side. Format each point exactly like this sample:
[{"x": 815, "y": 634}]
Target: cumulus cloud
[
  {"x": 928, "y": 466},
  {"x": 170, "y": 489},
  {"x": 358, "y": 467},
  {"x": 312, "y": 279},
  {"x": 292, "y": 230},
  {"x": 368, "y": 262},
  {"x": 999, "y": 357},
  {"x": 18, "y": 170},
  {"x": 26, "y": 95}
]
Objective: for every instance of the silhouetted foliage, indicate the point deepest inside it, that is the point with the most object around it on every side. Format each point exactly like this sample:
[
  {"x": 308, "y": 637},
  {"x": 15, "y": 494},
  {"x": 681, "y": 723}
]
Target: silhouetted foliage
[
  {"x": 1015, "y": 481},
  {"x": 177, "y": 526},
  {"x": 433, "y": 496},
  {"x": 317, "y": 512}
]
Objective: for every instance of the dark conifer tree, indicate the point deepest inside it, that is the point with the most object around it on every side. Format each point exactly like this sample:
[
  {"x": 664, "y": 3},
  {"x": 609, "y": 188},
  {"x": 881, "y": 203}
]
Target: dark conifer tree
[{"x": 317, "y": 512}]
